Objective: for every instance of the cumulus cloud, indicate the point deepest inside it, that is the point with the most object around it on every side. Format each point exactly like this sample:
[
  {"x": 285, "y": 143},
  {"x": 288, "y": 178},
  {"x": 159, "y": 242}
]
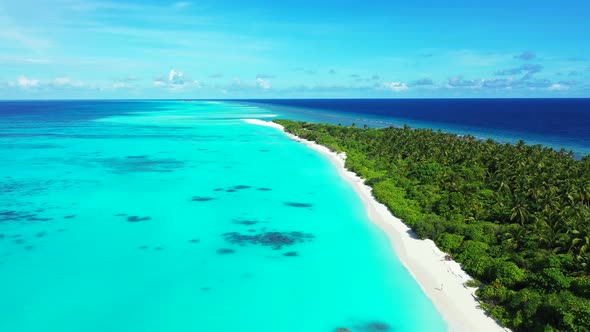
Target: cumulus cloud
[
  {"x": 65, "y": 82},
  {"x": 526, "y": 55},
  {"x": 395, "y": 86},
  {"x": 263, "y": 84},
  {"x": 424, "y": 81},
  {"x": 538, "y": 84},
  {"x": 508, "y": 83},
  {"x": 176, "y": 77},
  {"x": 458, "y": 81},
  {"x": 176, "y": 80},
  {"x": 557, "y": 87},
  {"x": 527, "y": 69},
  {"x": 26, "y": 83},
  {"x": 58, "y": 83},
  {"x": 501, "y": 83}
]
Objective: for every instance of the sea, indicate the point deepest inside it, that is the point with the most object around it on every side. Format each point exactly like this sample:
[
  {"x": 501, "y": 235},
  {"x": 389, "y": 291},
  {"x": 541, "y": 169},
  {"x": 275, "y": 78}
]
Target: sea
[
  {"x": 177, "y": 215},
  {"x": 167, "y": 216},
  {"x": 556, "y": 123}
]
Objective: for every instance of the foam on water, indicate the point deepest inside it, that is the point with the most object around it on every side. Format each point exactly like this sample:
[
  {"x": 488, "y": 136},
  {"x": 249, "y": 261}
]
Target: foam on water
[{"x": 179, "y": 216}]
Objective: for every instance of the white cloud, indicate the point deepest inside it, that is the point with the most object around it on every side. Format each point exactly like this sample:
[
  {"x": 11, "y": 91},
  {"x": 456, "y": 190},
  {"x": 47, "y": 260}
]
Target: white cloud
[
  {"x": 175, "y": 76},
  {"x": 395, "y": 86},
  {"x": 61, "y": 82},
  {"x": 121, "y": 85},
  {"x": 176, "y": 80},
  {"x": 25, "y": 82},
  {"x": 262, "y": 83},
  {"x": 557, "y": 87}
]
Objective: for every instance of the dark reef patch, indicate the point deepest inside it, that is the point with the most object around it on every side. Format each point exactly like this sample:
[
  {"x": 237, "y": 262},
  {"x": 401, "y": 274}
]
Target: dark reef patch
[
  {"x": 205, "y": 289},
  {"x": 245, "y": 222},
  {"x": 276, "y": 240},
  {"x": 41, "y": 234},
  {"x": 264, "y": 150},
  {"x": 225, "y": 251},
  {"x": 139, "y": 164},
  {"x": 202, "y": 199},
  {"x": 194, "y": 240},
  {"x": 240, "y": 187},
  {"x": 39, "y": 219},
  {"x": 291, "y": 254},
  {"x": 298, "y": 205},
  {"x": 10, "y": 215},
  {"x": 218, "y": 189},
  {"x": 70, "y": 216},
  {"x": 37, "y": 187},
  {"x": 264, "y": 189},
  {"x": 230, "y": 190},
  {"x": 142, "y": 247},
  {"x": 375, "y": 326},
  {"x": 137, "y": 218},
  {"x": 120, "y": 214}
]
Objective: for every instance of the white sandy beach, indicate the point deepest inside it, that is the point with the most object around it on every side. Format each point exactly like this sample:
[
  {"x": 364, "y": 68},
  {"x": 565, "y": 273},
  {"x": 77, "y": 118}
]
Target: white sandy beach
[{"x": 455, "y": 302}]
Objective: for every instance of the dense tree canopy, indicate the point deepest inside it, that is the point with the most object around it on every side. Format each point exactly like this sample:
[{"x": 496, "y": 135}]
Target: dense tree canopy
[{"x": 517, "y": 217}]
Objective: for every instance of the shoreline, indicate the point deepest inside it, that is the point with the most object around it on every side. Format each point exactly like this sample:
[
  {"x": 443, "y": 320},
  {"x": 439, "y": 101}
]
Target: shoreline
[{"x": 455, "y": 302}]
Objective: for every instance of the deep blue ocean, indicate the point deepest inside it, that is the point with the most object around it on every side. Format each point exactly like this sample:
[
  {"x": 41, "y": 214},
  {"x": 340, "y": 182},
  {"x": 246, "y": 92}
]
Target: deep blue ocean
[{"x": 558, "y": 123}]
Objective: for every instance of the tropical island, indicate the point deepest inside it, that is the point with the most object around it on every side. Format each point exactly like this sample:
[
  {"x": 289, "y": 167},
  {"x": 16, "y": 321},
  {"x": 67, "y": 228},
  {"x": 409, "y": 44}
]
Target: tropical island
[{"x": 517, "y": 217}]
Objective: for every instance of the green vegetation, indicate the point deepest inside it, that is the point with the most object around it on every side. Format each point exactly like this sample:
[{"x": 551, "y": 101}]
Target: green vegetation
[{"x": 516, "y": 216}]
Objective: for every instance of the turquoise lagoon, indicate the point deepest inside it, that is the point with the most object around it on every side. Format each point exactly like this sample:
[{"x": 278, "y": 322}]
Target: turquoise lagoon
[{"x": 179, "y": 216}]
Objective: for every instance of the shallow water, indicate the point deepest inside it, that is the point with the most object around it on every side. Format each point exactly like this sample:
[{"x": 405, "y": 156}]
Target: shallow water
[{"x": 179, "y": 216}]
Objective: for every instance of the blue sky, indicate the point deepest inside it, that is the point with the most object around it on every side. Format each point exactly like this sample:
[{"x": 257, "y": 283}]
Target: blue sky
[{"x": 60, "y": 49}]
